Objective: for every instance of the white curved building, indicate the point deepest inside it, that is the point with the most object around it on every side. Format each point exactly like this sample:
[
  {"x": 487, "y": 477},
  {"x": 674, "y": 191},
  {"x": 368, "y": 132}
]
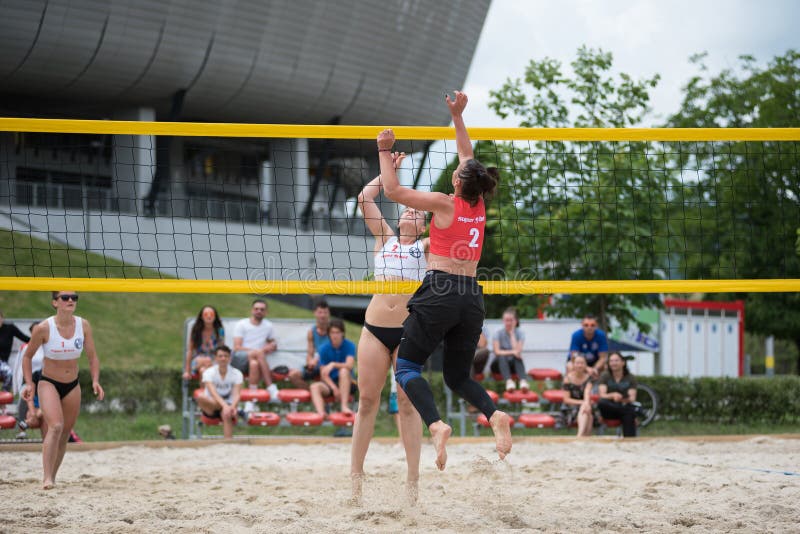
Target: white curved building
[
  {"x": 270, "y": 61},
  {"x": 260, "y": 61}
]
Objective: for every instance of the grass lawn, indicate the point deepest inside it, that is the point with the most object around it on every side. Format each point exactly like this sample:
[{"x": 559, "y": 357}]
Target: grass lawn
[{"x": 131, "y": 330}]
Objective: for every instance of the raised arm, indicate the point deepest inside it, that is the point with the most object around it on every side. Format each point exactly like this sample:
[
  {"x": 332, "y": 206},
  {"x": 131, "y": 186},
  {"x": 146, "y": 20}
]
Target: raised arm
[
  {"x": 373, "y": 217},
  {"x": 463, "y": 144},
  {"x": 421, "y": 200}
]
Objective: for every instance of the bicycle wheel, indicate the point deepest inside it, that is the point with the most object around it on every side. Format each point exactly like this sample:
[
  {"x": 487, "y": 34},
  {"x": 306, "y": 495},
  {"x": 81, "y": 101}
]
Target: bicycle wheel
[{"x": 647, "y": 398}]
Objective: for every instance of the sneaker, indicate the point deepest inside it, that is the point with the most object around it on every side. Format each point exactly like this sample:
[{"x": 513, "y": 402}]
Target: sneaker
[
  {"x": 22, "y": 435},
  {"x": 273, "y": 393},
  {"x": 523, "y": 385},
  {"x": 249, "y": 407},
  {"x": 510, "y": 385}
]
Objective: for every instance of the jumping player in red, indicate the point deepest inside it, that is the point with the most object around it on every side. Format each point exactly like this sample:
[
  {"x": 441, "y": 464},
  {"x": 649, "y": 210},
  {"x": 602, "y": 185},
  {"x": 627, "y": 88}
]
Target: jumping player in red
[{"x": 448, "y": 306}]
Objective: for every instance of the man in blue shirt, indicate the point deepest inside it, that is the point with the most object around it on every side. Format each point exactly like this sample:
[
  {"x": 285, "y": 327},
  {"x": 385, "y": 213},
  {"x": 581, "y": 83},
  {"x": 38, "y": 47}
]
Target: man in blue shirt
[
  {"x": 592, "y": 343},
  {"x": 336, "y": 360}
]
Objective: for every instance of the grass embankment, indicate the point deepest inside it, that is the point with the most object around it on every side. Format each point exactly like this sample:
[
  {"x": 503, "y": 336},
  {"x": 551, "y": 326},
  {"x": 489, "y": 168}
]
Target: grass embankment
[{"x": 131, "y": 330}]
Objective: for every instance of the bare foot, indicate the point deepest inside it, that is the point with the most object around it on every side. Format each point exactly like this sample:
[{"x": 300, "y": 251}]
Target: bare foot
[
  {"x": 501, "y": 426},
  {"x": 440, "y": 433},
  {"x": 346, "y": 410},
  {"x": 48, "y": 484},
  {"x": 356, "y": 481},
  {"x": 412, "y": 491}
]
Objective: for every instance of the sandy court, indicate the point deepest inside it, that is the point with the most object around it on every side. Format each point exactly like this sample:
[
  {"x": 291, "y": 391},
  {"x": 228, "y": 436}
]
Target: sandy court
[{"x": 546, "y": 485}]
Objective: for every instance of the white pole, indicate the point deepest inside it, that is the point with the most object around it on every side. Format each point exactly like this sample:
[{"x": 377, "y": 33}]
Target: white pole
[{"x": 769, "y": 360}]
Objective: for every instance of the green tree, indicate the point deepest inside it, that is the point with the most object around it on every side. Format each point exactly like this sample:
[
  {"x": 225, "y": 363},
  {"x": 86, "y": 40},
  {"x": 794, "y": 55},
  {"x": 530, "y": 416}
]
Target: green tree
[
  {"x": 747, "y": 214},
  {"x": 580, "y": 211}
]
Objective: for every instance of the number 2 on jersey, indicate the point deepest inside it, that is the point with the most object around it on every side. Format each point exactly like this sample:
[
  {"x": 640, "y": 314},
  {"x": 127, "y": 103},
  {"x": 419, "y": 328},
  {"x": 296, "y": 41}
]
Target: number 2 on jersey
[{"x": 475, "y": 233}]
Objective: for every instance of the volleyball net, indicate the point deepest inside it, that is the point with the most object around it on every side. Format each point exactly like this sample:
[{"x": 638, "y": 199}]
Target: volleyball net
[{"x": 244, "y": 208}]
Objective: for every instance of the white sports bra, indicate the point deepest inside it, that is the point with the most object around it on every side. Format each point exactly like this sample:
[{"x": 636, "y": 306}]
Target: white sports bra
[
  {"x": 401, "y": 261},
  {"x": 58, "y": 348}
]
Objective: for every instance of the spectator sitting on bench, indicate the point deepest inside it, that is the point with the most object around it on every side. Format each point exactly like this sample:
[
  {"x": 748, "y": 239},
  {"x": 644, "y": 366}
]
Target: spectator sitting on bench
[
  {"x": 223, "y": 383},
  {"x": 207, "y": 334},
  {"x": 253, "y": 339},
  {"x": 578, "y": 383},
  {"x": 592, "y": 342},
  {"x": 316, "y": 337},
  {"x": 617, "y": 388},
  {"x": 508, "y": 342},
  {"x": 336, "y": 359}
]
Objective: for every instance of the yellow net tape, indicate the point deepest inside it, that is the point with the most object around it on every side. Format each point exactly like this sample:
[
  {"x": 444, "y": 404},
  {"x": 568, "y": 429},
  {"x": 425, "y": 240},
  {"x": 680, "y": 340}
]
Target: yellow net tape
[
  {"x": 411, "y": 133},
  {"x": 127, "y": 285}
]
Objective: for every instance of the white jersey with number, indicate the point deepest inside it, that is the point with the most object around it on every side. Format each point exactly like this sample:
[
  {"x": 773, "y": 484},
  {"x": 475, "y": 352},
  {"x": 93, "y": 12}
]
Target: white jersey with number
[
  {"x": 59, "y": 348},
  {"x": 395, "y": 260}
]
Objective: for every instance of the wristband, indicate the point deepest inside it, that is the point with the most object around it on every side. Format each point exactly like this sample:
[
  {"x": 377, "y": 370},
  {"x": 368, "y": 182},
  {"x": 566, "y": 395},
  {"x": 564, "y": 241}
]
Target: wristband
[{"x": 384, "y": 150}]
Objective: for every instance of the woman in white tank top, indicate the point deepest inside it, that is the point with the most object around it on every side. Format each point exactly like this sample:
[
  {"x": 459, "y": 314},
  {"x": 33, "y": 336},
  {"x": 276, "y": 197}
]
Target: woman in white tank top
[
  {"x": 62, "y": 337},
  {"x": 398, "y": 256}
]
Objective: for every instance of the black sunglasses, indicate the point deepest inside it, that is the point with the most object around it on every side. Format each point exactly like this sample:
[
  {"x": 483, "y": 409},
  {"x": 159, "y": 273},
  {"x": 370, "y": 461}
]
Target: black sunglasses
[{"x": 65, "y": 298}]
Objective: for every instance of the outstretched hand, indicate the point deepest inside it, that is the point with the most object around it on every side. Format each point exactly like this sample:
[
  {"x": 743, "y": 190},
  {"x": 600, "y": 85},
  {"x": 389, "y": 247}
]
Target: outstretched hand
[
  {"x": 386, "y": 139},
  {"x": 456, "y": 106}
]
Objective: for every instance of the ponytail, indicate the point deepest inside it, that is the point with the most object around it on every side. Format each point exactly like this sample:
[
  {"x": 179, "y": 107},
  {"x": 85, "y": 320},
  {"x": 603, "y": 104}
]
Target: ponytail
[
  {"x": 478, "y": 181},
  {"x": 488, "y": 182}
]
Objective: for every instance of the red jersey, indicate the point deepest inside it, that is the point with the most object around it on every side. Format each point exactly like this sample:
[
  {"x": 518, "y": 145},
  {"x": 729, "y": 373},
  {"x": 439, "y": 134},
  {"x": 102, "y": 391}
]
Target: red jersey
[{"x": 463, "y": 239}]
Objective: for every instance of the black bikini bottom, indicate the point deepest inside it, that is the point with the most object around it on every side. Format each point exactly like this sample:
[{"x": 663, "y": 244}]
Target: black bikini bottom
[
  {"x": 63, "y": 388},
  {"x": 389, "y": 336}
]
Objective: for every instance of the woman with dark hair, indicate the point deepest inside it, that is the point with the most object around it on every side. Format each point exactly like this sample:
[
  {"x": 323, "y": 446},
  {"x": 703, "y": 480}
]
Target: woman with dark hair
[
  {"x": 206, "y": 336},
  {"x": 448, "y": 306},
  {"x": 617, "y": 388},
  {"x": 63, "y": 337},
  {"x": 508, "y": 343},
  {"x": 399, "y": 255}
]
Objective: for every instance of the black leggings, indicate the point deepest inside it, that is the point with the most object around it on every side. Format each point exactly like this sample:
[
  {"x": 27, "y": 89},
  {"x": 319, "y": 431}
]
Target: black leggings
[
  {"x": 446, "y": 308},
  {"x": 616, "y": 410}
]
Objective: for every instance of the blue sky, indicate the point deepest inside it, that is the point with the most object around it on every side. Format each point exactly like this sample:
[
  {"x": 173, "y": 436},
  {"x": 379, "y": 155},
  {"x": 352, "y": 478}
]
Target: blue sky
[{"x": 645, "y": 36}]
